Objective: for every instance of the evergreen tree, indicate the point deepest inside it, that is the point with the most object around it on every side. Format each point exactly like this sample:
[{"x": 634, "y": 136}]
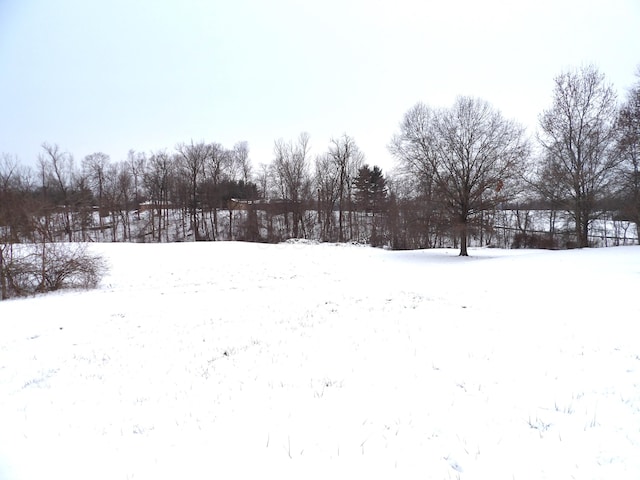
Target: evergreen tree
[
  {"x": 378, "y": 188},
  {"x": 370, "y": 189}
]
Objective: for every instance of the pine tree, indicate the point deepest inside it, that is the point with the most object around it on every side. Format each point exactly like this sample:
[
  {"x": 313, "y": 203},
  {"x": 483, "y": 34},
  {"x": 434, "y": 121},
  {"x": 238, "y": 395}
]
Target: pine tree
[{"x": 370, "y": 190}]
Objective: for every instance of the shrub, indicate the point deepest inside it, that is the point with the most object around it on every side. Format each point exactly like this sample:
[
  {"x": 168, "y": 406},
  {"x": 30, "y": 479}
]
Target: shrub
[{"x": 46, "y": 267}]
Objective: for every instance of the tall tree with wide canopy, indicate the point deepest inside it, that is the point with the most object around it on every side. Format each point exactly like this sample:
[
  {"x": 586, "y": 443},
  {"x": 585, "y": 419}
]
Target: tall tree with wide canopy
[{"x": 469, "y": 154}]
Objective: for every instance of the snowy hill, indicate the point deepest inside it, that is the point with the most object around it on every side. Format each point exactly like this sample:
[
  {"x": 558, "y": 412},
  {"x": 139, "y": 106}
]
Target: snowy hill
[{"x": 235, "y": 360}]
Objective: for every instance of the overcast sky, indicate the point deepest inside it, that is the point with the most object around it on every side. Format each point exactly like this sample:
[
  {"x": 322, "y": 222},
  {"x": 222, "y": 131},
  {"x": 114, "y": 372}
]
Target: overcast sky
[{"x": 114, "y": 75}]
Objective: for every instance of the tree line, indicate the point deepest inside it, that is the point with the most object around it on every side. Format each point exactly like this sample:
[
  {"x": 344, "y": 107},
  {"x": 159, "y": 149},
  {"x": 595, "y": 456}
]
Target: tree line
[{"x": 459, "y": 169}]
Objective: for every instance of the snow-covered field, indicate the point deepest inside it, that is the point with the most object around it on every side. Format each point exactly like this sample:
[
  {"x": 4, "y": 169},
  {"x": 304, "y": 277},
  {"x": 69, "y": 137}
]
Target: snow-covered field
[{"x": 234, "y": 360}]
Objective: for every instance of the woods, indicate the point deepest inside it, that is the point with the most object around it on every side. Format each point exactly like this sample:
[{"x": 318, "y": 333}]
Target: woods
[{"x": 465, "y": 175}]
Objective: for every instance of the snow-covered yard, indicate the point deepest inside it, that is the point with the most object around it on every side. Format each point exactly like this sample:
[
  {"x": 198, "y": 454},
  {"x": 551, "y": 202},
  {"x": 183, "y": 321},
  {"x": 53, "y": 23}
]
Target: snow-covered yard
[{"x": 235, "y": 360}]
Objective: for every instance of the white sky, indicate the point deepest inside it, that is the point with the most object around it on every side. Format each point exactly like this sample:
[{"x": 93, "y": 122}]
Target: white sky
[{"x": 110, "y": 75}]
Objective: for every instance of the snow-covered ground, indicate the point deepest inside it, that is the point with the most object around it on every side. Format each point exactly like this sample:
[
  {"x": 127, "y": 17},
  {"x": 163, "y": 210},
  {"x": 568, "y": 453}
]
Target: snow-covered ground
[{"x": 235, "y": 360}]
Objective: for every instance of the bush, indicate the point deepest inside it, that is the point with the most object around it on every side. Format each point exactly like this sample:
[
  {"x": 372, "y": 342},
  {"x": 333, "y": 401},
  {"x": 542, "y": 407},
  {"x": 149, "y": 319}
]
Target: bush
[{"x": 47, "y": 267}]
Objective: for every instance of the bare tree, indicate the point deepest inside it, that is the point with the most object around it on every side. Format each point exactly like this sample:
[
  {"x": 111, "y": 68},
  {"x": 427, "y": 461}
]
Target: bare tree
[
  {"x": 193, "y": 158},
  {"x": 95, "y": 167},
  {"x": 59, "y": 166},
  {"x": 469, "y": 153},
  {"x": 628, "y": 149},
  {"x": 347, "y": 159},
  {"x": 136, "y": 162},
  {"x": 290, "y": 172},
  {"x": 328, "y": 187},
  {"x": 157, "y": 179},
  {"x": 241, "y": 162},
  {"x": 111, "y": 199},
  {"x": 263, "y": 180},
  {"x": 420, "y": 211},
  {"x": 124, "y": 196},
  {"x": 215, "y": 165},
  {"x": 577, "y": 135}
]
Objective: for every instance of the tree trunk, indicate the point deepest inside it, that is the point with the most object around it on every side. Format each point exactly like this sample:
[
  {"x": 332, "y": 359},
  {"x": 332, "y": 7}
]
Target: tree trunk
[
  {"x": 296, "y": 220},
  {"x": 582, "y": 227},
  {"x": 160, "y": 213},
  {"x": 114, "y": 226},
  {"x": 585, "y": 234},
  {"x": 463, "y": 239},
  {"x": 67, "y": 224},
  {"x": 216, "y": 233}
]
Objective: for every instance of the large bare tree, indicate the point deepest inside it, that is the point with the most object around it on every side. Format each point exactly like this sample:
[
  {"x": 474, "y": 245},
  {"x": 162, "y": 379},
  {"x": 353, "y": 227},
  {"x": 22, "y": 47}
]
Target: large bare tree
[
  {"x": 469, "y": 153},
  {"x": 577, "y": 135}
]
